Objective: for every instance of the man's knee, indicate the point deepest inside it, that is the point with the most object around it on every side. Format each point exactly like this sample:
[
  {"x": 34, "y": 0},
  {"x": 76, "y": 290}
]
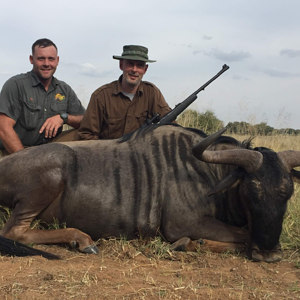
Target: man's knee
[{"x": 67, "y": 136}]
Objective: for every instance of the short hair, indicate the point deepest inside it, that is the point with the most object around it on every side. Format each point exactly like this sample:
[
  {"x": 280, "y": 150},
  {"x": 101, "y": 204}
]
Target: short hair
[{"x": 43, "y": 43}]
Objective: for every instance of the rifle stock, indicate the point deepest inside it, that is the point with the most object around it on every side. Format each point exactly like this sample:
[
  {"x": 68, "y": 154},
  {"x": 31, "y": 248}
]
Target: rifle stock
[{"x": 179, "y": 108}]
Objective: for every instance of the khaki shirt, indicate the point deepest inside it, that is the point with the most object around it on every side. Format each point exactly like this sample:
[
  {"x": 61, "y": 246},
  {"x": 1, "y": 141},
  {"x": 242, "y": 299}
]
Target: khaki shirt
[
  {"x": 111, "y": 114},
  {"x": 24, "y": 99}
]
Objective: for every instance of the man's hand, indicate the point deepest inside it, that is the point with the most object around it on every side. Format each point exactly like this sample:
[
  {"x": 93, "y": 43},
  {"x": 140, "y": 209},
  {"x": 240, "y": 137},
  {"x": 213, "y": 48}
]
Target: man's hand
[{"x": 51, "y": 126}]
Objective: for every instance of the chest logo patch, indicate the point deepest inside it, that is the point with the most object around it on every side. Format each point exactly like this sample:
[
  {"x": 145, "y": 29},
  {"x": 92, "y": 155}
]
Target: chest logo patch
[{"x": 59, "y": 97}]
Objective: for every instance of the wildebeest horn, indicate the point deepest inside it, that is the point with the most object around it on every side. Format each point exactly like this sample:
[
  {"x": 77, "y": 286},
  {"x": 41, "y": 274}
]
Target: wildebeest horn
[
  {"x": 249, "y": 160},
  {"x": 229, "y": 181},
  {"x": 290, "y": 159}
]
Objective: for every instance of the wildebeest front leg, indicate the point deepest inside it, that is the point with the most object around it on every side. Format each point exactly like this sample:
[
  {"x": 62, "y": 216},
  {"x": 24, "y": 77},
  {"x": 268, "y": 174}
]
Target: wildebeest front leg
[
  {"x": 18, "y": 227},
  {"x": 186, "y": 244},
  {"x": 215, "y": 230},
  {"x": 220, "y": 236}
]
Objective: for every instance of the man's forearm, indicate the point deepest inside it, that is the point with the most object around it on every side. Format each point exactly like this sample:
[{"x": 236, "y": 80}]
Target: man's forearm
[
  {"x": 11, "y": 141},
  {"x": 74, "y": 121}
]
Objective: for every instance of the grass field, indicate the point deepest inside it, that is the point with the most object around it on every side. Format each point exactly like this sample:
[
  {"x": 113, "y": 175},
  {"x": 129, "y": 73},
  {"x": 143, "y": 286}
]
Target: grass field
[{"x": 147, "y": 269}]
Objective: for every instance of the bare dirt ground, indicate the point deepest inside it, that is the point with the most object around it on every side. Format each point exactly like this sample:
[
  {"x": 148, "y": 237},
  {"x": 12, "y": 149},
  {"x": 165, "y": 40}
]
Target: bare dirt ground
[{"x": 140, "y": 270}]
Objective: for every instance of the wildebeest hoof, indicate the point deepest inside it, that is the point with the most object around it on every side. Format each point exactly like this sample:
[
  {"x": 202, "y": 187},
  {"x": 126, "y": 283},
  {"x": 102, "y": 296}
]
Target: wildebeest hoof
[
  {"x": 73, "y": 244},
  {"x": 201, "y": 242},
  {"x": 92, "y": 249},
  {"x": 183, "y": 244},
  {"x": 272, "y": 256}
]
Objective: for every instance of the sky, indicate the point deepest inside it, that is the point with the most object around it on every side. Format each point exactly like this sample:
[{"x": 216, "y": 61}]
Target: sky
[{"x": 190, "y": 40}]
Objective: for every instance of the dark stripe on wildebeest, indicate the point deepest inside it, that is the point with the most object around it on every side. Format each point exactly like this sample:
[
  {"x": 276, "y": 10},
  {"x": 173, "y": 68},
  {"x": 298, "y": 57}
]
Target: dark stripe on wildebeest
[
  {"x": 157, "y": 162},
  {"x": 118, "y": 189},
  {"x": 136, "y": 170},
  {"x": 186, "y": 144},
  {"x": 115, "y": 153},
  {"x": 165, "y": 148},
  {"x": 169, "y": 145},
  {"x": 122, "y": 225},
  {"x": 150, "y": 183},
  {"x": 174, "y": 146},
  {"x": 72, "y": 167},
  {"x": 117, "y": 179},
  {"x": 186, "y": 158},
  {"x": 184, "y": 153}
]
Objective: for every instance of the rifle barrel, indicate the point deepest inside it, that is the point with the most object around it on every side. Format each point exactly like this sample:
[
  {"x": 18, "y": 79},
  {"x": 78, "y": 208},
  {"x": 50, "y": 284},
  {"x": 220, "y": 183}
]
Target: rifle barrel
[
  {"x": 224, "y": 69},
  {"x": 179, "y": 108}
]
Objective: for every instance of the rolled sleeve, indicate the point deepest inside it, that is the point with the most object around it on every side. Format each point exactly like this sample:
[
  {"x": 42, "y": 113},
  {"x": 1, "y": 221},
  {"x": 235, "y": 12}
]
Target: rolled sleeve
[
  {"x": 160, "y": 105},
  {"x": 74, "y": 105},
  {"x": 90, "y": 127},
  {"x": 10, "y": 104}
]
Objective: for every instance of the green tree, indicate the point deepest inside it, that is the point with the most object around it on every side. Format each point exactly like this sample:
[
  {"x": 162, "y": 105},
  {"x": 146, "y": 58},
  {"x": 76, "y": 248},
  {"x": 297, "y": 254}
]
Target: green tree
[{"x": 206, "y": 121}]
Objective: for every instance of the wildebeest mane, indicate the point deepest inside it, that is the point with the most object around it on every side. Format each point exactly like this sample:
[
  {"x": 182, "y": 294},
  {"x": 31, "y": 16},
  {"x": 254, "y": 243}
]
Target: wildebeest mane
[
  {"x": 198, "y": 131},
  {"x": 142, "y": 131},
  {"x": 260, "y": 149}
]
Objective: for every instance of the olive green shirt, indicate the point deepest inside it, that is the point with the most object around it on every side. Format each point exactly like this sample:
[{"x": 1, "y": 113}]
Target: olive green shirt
[
  {"x": 24, "y": 99},
  {"x": 111, "y": 114}
]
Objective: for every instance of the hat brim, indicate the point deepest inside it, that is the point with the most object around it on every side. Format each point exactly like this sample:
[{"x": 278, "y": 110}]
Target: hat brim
[{"x": 132, "y": 57}]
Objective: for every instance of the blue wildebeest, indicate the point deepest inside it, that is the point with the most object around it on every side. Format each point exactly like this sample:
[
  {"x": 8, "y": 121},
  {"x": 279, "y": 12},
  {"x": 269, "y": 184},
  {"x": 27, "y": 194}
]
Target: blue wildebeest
[{"x": 157, "y": 179}]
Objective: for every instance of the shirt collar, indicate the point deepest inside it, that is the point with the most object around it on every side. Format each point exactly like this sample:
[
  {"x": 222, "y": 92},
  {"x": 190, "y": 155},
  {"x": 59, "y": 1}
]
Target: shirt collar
[
  {"x": 35, "y": 80},
  {"x": 118, "y": 88}
]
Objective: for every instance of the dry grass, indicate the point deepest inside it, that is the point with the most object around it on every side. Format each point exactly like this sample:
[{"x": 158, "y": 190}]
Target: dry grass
[
  {"x": 274, "y": 142},
  {"x": 147, "y": 269},
  {"x": 130, "y": 270}
]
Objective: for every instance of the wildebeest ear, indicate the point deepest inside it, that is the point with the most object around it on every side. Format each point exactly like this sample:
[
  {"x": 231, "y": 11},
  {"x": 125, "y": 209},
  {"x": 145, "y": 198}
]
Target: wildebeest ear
[
  {"x": 229, "y": 181},
  {"x": 295, "y": 175}
]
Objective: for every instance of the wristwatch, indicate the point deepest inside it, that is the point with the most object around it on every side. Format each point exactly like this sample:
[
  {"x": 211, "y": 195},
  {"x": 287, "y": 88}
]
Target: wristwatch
[{"x": 64, "y": 116}]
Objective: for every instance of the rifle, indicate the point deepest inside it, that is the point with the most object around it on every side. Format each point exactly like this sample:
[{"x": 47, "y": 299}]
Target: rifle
[{"x": 180, "y": 107}]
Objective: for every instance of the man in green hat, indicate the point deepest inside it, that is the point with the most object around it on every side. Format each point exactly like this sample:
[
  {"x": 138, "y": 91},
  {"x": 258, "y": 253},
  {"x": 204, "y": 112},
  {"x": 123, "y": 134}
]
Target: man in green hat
[{"x": 122, "y": 106}]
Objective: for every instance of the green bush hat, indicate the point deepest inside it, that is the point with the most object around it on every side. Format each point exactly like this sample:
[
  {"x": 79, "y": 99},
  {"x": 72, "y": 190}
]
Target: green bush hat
[{"x": 134, "y": 52}]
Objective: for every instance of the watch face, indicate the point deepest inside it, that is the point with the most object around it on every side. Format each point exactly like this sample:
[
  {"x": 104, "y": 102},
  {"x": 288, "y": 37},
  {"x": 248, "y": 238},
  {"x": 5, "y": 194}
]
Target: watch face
[{"x": 64, "y": 116}]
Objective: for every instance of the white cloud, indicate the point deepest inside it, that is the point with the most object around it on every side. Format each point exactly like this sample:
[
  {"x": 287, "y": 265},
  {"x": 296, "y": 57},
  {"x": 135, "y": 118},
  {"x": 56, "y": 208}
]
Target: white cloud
[
  {"x": 189, "y": 39},
  {"x": 279, "y": 73},
  {"x": 205, "y": 37},
  {"x": 229, "y": 57},
  {"x": 290, "y": 53}
]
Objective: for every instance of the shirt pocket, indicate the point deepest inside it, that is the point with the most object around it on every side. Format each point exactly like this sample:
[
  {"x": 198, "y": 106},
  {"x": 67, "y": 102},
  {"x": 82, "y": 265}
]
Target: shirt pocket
[
  {"x": 142, "y": 117},
  {"x": 163, "y": 105},
  {"x": 115, "y": 127},
  {"x": 31, "y": 115},
  {"x": 58, "y": 106}
]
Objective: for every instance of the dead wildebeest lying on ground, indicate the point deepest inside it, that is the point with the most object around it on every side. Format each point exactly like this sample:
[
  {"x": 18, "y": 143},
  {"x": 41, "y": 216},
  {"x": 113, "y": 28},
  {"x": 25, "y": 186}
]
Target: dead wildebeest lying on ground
[{"x": 155, "y": 180}]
